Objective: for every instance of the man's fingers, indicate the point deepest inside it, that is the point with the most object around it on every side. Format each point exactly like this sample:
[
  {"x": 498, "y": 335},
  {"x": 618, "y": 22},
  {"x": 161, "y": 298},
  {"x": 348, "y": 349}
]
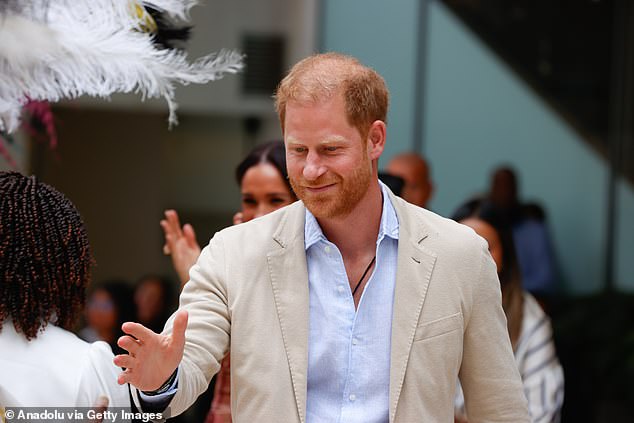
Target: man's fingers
[
  {"x": 178, "y": 331},
  {"x": 139, "y": 331},
  {"x": 129, "y": 344},
  {"x": 125, "y": 377},
  {"x": 124, "y": 360}
]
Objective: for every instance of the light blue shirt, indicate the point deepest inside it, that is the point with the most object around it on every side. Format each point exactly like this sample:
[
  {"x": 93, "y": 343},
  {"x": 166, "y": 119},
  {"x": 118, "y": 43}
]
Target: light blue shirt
[{"x": 348, "y": 349}]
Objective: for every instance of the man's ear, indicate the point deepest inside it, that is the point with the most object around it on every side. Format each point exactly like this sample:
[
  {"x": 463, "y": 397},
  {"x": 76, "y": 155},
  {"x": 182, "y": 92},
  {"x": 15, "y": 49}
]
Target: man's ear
[{"x": 376, "y": 139}]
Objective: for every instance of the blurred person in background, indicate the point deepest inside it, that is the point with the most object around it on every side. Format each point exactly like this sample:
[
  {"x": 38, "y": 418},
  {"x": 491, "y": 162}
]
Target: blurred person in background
[
  {"x": 393, "y": 182},
  {"x": 110, "y": 304},
  {"x": 530, "y": 235},
  {"x": 529, "y": 328},
  {"x": 418, "y": 187},
  {"x": 264, "y": 188},
  {"x": 45, "y": 261},
  {"x": 155, "y": 298}
]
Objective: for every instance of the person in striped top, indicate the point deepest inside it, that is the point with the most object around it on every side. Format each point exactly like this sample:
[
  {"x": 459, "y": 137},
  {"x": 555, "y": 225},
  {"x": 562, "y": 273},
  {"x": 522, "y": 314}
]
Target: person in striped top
[{"x": 529, "y": 327}]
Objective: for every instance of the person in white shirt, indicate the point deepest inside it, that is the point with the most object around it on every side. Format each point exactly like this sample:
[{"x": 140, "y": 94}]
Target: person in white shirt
[{"x": 45, "y": 261}]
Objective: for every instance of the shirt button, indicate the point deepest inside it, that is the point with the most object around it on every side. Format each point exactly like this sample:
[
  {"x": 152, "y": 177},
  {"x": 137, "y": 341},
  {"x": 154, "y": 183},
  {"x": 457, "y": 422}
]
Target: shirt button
[
  {"x": 327, "y": 249},
  {"x": 341, "y": 289},
  {"x": 353, "y": 397},
  {"x": 354, "y": 341}
]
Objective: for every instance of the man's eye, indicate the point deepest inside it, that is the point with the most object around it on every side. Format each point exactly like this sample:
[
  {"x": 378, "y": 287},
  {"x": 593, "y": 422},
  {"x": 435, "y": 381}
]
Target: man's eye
[
  {"x": 331, "y": 149},
  {"x": 299, "y": 149},
  {"x": 248, "y": 201}
]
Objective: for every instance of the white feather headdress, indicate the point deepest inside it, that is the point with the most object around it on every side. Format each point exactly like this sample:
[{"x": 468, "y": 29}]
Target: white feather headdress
[{"x": 56, "y": 49}]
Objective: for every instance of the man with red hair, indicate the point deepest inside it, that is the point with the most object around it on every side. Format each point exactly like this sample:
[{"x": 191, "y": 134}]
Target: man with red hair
[{"x": 349, "y": 305}]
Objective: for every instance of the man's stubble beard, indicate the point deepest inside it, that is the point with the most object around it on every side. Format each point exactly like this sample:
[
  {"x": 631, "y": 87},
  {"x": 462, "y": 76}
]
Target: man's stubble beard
[{"x": 348, "y": 193}]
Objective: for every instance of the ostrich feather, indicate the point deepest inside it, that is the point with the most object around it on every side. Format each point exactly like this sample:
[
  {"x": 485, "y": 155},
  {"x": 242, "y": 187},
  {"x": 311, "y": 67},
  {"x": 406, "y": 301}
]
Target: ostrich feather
[{"x": 98, "y": 48}]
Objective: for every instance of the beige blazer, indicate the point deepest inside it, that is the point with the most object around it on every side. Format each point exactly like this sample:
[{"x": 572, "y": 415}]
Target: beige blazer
[{"x": 249, "y": 293}]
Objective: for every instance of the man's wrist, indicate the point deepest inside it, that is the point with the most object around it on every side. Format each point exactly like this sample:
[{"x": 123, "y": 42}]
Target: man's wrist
[{"x": 164, "y": 387}]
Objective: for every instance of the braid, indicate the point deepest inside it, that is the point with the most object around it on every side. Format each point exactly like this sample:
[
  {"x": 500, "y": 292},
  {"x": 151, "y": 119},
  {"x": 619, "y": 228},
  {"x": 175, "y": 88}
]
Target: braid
[{"x": 45, "y": 257}]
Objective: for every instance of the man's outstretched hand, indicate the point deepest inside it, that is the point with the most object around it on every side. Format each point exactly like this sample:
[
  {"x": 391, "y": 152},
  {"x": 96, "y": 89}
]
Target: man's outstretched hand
[{"x": 151, "y": 358}]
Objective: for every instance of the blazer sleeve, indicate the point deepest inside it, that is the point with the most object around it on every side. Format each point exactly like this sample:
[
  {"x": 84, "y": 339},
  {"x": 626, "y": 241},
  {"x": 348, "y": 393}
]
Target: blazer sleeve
[
  {"x": 204, "y": 296},
  {"x": 489, "y": 376}
]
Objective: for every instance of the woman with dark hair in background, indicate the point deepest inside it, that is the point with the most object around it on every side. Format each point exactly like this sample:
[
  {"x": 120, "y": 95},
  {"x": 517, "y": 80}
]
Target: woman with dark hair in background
[
  {"x": 529, "y": 328},
  {"x": 264, "y": 187},
  {"x": 45, "y": 261}
]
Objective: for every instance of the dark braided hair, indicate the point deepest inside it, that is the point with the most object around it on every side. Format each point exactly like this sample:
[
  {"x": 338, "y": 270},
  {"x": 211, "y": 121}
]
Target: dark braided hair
[{"x": 45, "y": 257}]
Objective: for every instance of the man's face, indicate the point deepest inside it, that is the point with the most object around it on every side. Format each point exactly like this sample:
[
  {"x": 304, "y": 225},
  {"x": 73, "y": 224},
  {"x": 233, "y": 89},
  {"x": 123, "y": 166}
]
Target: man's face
[{"x": 328, "y": 163}]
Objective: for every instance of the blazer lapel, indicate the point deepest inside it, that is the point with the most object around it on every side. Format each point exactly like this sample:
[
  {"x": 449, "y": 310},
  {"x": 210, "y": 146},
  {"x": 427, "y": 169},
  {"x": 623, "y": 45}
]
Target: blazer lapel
[
  {"x": 289, "y": 280},
  {"x": 415, "y": 265}
]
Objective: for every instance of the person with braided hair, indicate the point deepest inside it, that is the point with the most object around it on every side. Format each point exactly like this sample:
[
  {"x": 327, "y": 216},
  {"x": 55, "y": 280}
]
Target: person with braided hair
[{"x": 45, "y": 261}]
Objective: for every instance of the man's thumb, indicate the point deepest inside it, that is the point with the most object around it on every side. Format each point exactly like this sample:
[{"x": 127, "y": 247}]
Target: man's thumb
[{"x": 180, "y": 324}]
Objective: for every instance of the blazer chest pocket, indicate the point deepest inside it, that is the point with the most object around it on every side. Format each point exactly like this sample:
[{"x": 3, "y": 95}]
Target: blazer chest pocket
[{"x": 435, "y": 328}]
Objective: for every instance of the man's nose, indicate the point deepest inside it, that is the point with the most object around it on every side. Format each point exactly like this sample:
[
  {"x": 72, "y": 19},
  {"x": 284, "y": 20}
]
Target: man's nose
[{"x": 314, "y": 167}]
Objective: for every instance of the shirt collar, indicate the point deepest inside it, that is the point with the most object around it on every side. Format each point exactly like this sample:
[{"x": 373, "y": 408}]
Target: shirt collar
[{"x": 389, "y": 223}]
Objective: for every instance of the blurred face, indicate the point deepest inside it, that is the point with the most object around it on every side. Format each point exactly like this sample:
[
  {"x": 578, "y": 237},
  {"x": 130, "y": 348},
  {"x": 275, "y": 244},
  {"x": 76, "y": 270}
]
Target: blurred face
[
  {"x": 417, "y": 188},
  {"x": 489, "y": 233},
  {"x": 328, "y": 162},
  {"x": 149, "y": 300},
  {"x": 101, "y": 312},
  {"x": 263, "y": 191}
]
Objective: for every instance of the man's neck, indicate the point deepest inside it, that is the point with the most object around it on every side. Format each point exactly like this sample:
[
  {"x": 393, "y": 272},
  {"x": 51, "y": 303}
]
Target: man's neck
[{"x": 356, "y": 233}]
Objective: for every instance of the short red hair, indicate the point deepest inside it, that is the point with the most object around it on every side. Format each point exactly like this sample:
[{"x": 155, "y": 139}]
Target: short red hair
[{"x": 322, "y": 76}]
